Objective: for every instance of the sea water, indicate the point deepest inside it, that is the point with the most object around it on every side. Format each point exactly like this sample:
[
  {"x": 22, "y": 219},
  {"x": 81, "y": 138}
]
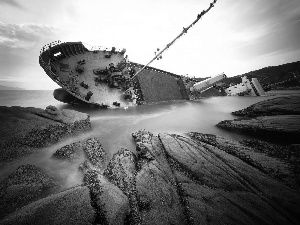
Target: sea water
[{"x": 113, "y": 127}]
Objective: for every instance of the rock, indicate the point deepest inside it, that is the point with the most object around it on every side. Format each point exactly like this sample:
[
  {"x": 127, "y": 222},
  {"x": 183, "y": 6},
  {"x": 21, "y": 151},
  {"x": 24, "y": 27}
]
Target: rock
[
  {"x": 142, "y": 138},
  {"x": 176, "y": 179},
  {"x": 268, "y": 158},
  {"x": 294, "y": 154},
  {"x": 287, "y": 157},
  {"x": 65, "y": 116},
  {"x": 199, "y": 162},
  {"x": 23, "y": 129},
  {"x": 278, "y": 117},
  {"x": 72, "y": 206},
  {"x": 287, "y": 105},
  {"x": 52, "y": 110},
  {"x": 116, "y": 203},
  {"x": 95, "y": 153},
  {"x": 158, "y": 197},
  {"x": 85, "y": 167},
  {"x": 91, "y": 180},
  {"x": 112, "y": 206},
  {"x": 70, "y": 152},
  {"x": 281, "y": 126},
  {"x": 286, "y": 153},
  {"x": 26, "y": 184},
  {"x": 218, "y": 187},
  {"x": 121, "y": 171}
]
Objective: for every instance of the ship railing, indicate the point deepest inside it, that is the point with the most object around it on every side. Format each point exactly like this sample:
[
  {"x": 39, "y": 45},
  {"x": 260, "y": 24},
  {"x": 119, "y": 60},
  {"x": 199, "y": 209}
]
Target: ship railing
[
  {"x": 47, "y": 46},
  {"x": 87, "y": 46},
  {"x": 100, "y": 48}
]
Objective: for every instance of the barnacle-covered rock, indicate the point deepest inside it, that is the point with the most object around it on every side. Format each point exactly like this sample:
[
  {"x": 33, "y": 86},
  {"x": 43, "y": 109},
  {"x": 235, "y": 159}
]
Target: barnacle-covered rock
[
  {"x": 95, "y": 153},
  {"x": 278, "y": 117},
  {"x": 26, "y": 184},
  {"x": 218, "y": 187},
  {"x": 110, "y": 203},
  {"x": 70, "y": 152},
  {"x": 158, "y": 198},
  {"x": 121, "y": 171},
  {"x": 22, "y": 129},
  {"x": 281, "y": 126},
  {"x": 72, "y": 206},
  {"x": 286, "y": 105},
  {"x": 192, "y": 178}
]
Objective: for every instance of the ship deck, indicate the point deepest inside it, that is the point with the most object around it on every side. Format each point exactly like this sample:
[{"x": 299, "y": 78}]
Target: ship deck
[{"x": 102, "y": 93}]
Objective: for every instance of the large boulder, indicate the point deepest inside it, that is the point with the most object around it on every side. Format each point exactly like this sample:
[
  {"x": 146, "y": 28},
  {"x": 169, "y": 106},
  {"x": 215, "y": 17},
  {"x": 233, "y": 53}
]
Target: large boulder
[
  {"x": 111, "y": 204},
  {"x": 281, "y": 126},
  {"x": 277, "y": 118},
  {"x": 95, "y": 153},
  {"x": 72, "y": 206},
  {"x": 26, "y": 184},
  {"x": 202, "y": 179},
  {"x": 218, "y": 187},
  {"x": 287, "y": 105},
  {"x": 280, "y": 162},
  {"x": 176, "y": 179},
  {"x": 70, "y": 152},
  {"x": 158, "y": 197},
  {"x": 23, "y": 129},
  {"x": 121, "y": 171},
  {"x": 285, "y": 163}
]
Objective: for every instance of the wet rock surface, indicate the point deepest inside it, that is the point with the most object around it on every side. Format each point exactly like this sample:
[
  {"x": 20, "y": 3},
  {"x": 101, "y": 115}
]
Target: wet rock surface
[
  {"x": 121, "y": 171},
  {"x": 70, "y": 152},
  {"x": 279, "y": 117},
  {"x": 280, "y": 162},
  {"x": 220, "y": 188},
  {"x": 192, "y": 178},
  {"x": 157, "y": 192},
  {"x": 110, "y": 203},
  {"x": 288, "y": 105},
  {"x": 85, "y": 167},
  {"x": 72, "y": 206},
  {"x": 26, "y": 184},
  {"x": 285, "y": 126},
  {"x": 23, "y": 129},
  {"x": 95, "y": 153},
  {"x": 288, "y": 155}
]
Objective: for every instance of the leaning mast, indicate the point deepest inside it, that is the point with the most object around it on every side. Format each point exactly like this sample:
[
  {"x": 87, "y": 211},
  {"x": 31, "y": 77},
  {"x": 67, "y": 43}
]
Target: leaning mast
[{"x": 184, "y": 31}]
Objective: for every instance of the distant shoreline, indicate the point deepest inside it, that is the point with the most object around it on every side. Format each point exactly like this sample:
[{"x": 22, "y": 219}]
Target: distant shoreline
[
  {"x": 6, "y": 88},
  {"x": 283, "y": 92}
]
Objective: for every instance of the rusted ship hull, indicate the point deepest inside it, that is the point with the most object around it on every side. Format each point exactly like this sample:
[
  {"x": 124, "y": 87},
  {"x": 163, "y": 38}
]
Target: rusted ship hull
[{"x": 102, "y": 76}]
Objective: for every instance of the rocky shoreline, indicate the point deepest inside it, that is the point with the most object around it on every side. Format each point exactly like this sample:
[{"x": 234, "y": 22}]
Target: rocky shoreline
[
  {"x": 277, "y": 117},
  {"x": 192, "y": 178},
  {"x": 287, "y": 105},
  {"x": 25, "y": 129}
]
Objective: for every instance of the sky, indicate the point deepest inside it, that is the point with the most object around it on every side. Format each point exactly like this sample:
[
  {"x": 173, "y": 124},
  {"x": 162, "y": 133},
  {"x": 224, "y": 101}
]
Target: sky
[{"x": 234, "y": 37}]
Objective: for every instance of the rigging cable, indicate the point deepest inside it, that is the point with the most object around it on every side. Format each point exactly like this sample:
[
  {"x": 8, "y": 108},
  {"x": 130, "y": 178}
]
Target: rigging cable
[{"x": 184, "y": 31}]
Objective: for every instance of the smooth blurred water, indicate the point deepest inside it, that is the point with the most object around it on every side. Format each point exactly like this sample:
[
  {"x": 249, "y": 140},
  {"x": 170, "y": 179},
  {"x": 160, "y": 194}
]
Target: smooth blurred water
[{"x": 114, "y": 126}]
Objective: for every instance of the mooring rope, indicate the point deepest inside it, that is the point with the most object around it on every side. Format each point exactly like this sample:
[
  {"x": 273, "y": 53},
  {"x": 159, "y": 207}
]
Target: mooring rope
[{"x": 184, "y": 31}]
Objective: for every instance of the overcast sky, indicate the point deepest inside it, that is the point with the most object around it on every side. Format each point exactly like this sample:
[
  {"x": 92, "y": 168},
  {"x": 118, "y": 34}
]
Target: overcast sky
[{"x": 235, "y": 37}]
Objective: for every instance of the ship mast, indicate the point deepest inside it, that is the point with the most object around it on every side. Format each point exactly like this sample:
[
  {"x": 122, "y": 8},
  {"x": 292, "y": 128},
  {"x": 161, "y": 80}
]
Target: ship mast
[{"x": 184, "y": 31}]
